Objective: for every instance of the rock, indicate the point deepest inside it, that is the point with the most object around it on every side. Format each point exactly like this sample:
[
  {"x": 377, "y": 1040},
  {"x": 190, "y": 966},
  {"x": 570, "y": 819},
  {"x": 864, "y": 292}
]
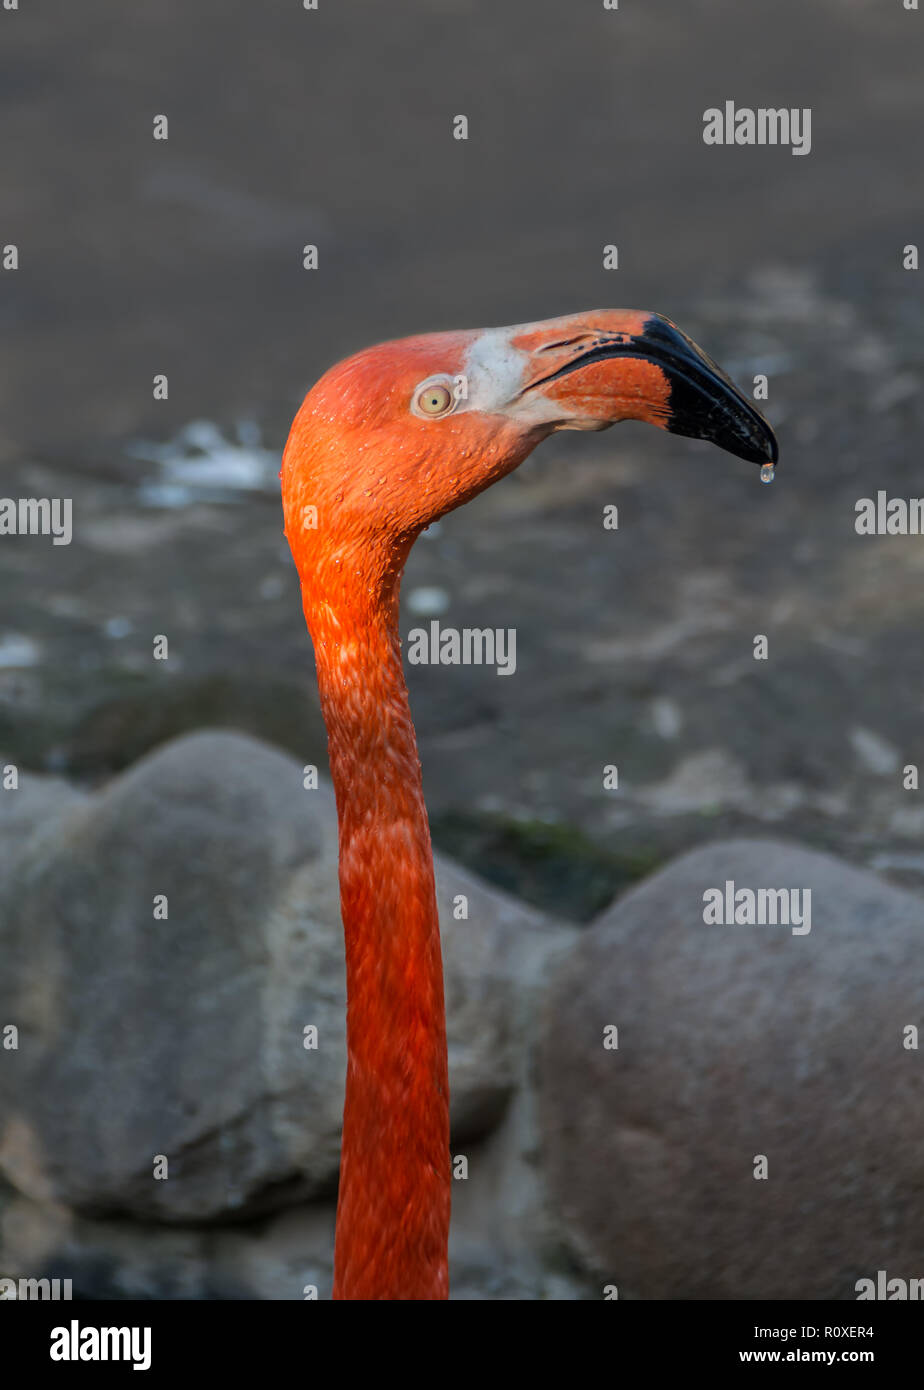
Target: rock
[
  {"x": 184, "y": 1037},
  {"x": 738, "y": 1041},
  {"x": 496, "y": 1250},
  {"x": 275, "y": 1258},
  {"x": 500, "y": 1229},
  {"x": 33, "y": 803}
]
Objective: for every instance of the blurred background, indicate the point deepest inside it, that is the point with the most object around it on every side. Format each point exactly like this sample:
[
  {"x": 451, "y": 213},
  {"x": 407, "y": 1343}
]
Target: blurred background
[{"x": 333, "y": 127}]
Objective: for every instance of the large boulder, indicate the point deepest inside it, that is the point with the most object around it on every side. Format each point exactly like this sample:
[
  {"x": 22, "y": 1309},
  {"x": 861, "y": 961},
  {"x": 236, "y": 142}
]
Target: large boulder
[
  {"x": 142, "y": 1035},
  {"x": 31, "y": 801},
  {"x": 736, "y": 1042}
]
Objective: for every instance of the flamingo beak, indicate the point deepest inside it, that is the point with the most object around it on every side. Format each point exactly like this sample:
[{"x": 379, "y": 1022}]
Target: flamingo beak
[{"x": 591, "y": 371}]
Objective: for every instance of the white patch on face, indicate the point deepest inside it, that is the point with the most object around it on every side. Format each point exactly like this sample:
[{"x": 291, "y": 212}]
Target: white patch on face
[{"x": 495, "y": 372}]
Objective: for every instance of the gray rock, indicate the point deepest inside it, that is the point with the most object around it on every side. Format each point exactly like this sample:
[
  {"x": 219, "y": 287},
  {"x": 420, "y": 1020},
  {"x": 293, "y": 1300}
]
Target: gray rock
[
  {"x": 500, "y": 1228},
  {"x": 33, "y": 804},
  {"x": 737, "y": 1041},
  {"x": 494, "y": 1250},
  {"x": 275, "y": 1258},
  {"x": 184, "y": 1037}
]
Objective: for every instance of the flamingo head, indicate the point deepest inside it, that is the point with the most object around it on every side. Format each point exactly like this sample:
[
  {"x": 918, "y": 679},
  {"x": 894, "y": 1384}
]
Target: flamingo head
[{"x": 394, "y": 437}]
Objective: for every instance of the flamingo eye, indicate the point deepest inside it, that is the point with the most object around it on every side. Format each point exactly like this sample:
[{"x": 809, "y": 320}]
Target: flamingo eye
[{"x": 434, "y": 399}]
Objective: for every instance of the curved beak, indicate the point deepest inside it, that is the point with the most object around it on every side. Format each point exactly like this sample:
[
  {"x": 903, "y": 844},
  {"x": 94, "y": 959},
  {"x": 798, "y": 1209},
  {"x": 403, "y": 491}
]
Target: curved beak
[{"x": 589, "y": 371}]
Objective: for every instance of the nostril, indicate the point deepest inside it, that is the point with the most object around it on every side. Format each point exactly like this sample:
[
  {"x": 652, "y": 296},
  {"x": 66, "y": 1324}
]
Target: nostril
[{"x": 563, "y": 343}]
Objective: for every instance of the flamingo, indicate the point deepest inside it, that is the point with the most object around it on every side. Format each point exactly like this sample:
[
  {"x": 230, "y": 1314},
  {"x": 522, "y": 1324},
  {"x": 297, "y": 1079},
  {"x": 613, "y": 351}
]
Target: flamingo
[{"x": 385, "y": 443}]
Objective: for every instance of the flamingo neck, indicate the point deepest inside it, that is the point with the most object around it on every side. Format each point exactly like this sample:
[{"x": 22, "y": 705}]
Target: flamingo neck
[{"x": 394, "y": 1198}]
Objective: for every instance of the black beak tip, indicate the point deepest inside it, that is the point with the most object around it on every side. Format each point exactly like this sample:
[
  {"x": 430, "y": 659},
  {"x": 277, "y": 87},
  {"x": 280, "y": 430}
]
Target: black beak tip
[
  {"x": 704, "y": 402},
  {"x": 728, "y": 420},
  {"x": 751, "y": 439}
]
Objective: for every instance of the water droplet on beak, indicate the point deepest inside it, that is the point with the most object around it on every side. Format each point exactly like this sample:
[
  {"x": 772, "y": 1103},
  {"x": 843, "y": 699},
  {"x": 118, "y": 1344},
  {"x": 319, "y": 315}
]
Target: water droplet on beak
[{"x": 767, "y": 473}]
